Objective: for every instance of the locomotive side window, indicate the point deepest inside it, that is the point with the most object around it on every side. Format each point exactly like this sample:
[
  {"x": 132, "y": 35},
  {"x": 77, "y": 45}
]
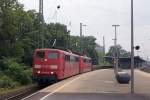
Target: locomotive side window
[
  {"x": 90, "y": 61},
  {"x": 52, "y": 55},
  {"x": 72, "y": 58},
  {"x": 40, "y": 54},
  {"x": 77, "y": 59},
  {"x": 85, "y": 60},
  {"x": 67, "y": 58}
]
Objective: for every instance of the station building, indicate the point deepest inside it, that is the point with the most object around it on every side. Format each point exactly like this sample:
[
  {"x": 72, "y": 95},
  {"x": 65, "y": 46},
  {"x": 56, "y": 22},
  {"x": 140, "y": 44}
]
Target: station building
[{"x": 125, "y": 62}]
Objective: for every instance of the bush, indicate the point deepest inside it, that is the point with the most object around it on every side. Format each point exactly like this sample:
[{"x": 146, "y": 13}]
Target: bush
[
  {"x": 14, "y": 73},
  {"x": 7, "y": 82},
  {"x": 26, "y": 77}
]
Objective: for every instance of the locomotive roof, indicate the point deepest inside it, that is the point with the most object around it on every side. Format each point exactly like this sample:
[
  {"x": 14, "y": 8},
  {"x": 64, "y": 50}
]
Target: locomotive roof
[
  {"x": 85, "y": 57},
  {"x": 47, "y": 49}
]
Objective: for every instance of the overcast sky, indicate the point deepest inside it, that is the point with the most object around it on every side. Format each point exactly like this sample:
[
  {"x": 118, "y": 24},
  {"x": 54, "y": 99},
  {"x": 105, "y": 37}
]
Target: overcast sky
[{"x": 99, "y": 15}]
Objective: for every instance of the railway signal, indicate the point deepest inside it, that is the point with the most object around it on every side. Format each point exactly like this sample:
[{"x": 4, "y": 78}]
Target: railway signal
[{"x": 137, "y": 47}]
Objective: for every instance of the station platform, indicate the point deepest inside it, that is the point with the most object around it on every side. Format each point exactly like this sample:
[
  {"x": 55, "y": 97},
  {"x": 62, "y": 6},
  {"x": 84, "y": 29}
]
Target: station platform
[{"x": 95, "y": 85}]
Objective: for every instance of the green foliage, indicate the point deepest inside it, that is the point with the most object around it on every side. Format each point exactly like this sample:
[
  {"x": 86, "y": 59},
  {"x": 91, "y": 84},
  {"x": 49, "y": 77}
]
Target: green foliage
[
  {"x": 16, "y": 71},
  {"x": 13, "y": 74},
  {"x": 94, "y": 55},
  {"x": 101, "y": 57},
  {"x": 85, "y": 46},
  {"x": 60, "y": 33},
  {"x": 121, "y": 51},
  {"x": 6, "y": 82}
]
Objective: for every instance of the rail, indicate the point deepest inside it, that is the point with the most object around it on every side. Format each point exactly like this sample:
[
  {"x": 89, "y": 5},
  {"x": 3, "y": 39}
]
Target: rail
[{"x": 18, "y": 94}]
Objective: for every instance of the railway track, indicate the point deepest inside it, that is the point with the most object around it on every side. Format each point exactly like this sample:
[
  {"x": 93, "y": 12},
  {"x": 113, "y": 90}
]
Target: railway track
[{"x": 18, "y": 95}]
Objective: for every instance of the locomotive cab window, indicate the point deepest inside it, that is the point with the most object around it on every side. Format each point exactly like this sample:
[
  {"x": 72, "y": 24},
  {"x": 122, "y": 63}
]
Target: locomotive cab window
[
  {"x": 52, "y": 55},
  {"x": 40, "y": 54}
]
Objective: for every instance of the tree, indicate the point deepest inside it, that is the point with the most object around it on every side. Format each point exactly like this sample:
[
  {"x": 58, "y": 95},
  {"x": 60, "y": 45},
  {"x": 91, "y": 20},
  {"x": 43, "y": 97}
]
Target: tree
[
  {"x": 15, "y": 23},
  {"x": 59, "y": 33},
  {"x": 122, "y": 52},
  {"x": 85, "y": 46}
]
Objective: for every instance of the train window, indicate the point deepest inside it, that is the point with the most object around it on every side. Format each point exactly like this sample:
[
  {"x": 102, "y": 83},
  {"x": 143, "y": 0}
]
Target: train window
[
  {"x": 76, "y": 59},
  {"x": 90, "y": 61},
  {"x": 72, "y": 58},
  {"x": 40, "y": 54},
  {"x": 67, "y": 58},
  {"x": 85, "y": 60},
  {"x": 52, "y": 55}
]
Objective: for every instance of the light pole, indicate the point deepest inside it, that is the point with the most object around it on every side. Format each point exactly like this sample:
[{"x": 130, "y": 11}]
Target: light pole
[
  {"x": 81, "y": 34},
  {"x": 116, "y": 50},
  {"x": 132, "y": 50}
]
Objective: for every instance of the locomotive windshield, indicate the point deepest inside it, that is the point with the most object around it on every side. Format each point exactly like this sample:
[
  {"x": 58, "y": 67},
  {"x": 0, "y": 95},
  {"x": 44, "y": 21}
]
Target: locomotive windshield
[
  {"x": 52, "y": 55},
  {"x": 40, "y": 54}
]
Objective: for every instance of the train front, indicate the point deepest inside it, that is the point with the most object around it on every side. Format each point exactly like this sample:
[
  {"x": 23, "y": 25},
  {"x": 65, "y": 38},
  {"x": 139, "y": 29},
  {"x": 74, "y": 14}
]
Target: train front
[{"x": 45, "y": 65}]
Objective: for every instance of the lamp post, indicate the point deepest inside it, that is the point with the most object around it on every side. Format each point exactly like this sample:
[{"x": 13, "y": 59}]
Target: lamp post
[
  {"x": 121, "y": 76},
  {"x": 81, "y": 34},
  {"x": 116, "y": 50},
  {"x": 132, "y": 50}
]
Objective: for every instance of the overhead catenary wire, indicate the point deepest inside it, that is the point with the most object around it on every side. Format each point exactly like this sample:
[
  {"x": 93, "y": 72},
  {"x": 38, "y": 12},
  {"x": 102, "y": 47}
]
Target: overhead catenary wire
[{"x": 58, "y": 14}]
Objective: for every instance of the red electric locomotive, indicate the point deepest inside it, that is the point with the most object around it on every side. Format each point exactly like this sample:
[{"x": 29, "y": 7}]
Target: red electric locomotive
[{"x": 54, "y": 64}]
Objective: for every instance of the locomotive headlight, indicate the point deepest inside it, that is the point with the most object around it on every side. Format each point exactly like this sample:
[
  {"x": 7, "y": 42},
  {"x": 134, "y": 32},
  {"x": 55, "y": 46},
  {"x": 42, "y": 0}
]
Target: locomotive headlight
[
  {"x": 53, "y": 66},
  {"x": 37, "y": 66},
  {"x": 38, "y": 72}
]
